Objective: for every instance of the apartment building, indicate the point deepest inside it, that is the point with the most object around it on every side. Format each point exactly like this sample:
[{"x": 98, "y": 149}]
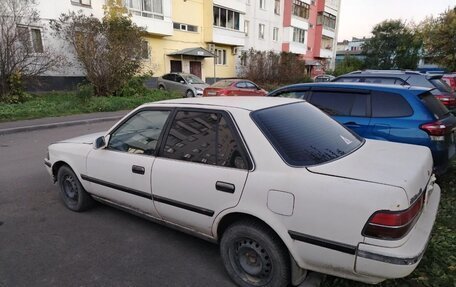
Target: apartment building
[
  {"x": 305, "y": 27},
  {"x": 204, "y": 37}
]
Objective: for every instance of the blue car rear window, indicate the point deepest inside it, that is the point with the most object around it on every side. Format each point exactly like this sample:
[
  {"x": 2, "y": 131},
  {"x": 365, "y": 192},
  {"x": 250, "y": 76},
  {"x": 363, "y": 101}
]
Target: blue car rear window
[{"x": 305, "y": 136}]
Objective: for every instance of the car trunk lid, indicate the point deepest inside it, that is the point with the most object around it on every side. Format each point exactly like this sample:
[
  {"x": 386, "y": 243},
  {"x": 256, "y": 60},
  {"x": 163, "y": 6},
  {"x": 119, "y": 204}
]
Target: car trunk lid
[{"x": 402, "y": 165}]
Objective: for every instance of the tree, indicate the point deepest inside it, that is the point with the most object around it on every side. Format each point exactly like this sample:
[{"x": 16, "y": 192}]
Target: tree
[
  {"x": 109, "y": 50},
  {"x": 392, "y": 46},
  {"x": 348, "y": 64},
  {"x": 22, "y": 54},
  {"x": 439, "y": 38}
]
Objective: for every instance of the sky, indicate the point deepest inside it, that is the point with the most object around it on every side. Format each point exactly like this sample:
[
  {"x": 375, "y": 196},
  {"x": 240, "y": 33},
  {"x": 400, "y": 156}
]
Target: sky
[{"x": 358, "y": 17}]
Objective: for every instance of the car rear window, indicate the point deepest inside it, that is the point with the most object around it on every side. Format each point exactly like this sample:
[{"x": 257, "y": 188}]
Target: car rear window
[
  {"x": 434, "y": 105},
  {"x": 222, "y": 84},
  {"x": 389, "y": 105},
  {"x": 303, "y": 135},
  {"x": 441, "y": 85}
]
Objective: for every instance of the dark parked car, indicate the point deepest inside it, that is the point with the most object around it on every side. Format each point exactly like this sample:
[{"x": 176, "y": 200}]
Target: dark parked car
[
  {"x": 234, "y": 87},
  {"x": 403, "y": 114},
  {"x": 397, "y": 77}
]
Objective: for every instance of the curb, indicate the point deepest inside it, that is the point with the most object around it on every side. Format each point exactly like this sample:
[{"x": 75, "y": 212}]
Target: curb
[{"x": 56, "y": 125}]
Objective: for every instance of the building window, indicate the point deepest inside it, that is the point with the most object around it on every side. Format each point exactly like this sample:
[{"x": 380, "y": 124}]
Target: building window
[
  {"x": 275, "y": 34},
  {"x": 221, "y": 56},
  {"x": 327, "y": 43},
  {"x": 246, "y": 27},
  {"x": 327, "y": 20},
  {"x": 31, "y": 39},
  {"x": 226, "y": 18},
  {"x": 144, "y": 50},
  {"x": 261, "y": 28},
  {"x": 299, "y": 35},
  {"x": 146, "y": 8},
  {"x": 185, "y": 27},
  {"x": 277, "y": 7},
  {"x": 81, "y": 2},
  {"x": 262, "y": 4},
  {"x": 301, "y": 9}
]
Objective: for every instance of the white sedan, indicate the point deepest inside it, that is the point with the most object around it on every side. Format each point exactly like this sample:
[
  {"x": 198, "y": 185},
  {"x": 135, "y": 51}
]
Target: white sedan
[{"x": 279, "y": 185}]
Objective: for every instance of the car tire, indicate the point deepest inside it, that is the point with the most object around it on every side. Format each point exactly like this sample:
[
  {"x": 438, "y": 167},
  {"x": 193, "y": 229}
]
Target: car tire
[
  {"x": 254, "y": 255},
  {"x": 189, "y": 94},
  {"x": 73, "y": 194},
  {"x": 161, "y": 88}
]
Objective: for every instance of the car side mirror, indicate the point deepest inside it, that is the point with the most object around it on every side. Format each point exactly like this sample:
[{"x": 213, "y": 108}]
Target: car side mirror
[{"x": 100, "y": 142}]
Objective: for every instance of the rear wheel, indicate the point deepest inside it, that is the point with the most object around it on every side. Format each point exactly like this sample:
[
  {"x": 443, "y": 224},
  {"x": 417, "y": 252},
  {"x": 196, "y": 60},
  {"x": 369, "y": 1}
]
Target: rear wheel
[
  {"x": 73, "y": 194},
  {"x": 254, "y": 256},
  {"x": 161, "y": 88},
  {"x": 189, "y": 94}
]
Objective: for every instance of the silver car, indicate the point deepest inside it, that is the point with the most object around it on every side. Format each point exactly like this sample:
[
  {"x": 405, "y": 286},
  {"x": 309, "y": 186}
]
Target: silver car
[{"x": 187, "y": 84}]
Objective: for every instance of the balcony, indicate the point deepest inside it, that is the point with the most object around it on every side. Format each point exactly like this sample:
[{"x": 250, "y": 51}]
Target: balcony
[{"x": 153, "y": 16}]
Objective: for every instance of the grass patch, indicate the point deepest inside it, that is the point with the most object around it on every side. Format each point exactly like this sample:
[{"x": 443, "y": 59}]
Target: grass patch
[
  {"x": 438, "y": 266},
  {"x": 68, "y": 103}
]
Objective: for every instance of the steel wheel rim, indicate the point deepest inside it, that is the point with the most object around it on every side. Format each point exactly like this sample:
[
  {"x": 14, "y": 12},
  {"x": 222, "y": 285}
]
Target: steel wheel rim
[
  {"x": 251, "y": 261},
  {"x": 189, "y": 94},
  {"x": 70, "y": 188}
]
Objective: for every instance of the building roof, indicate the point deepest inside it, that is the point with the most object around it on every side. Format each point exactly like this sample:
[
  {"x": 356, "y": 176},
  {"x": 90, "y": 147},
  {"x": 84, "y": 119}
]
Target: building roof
[{"x": 194, "y": 52}]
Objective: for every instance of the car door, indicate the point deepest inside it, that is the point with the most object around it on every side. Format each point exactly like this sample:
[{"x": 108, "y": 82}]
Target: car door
[
  {"x": 239, "y": 89},
  {"x": 252, "y": 89},
  {"x": 121, "y": 172},
  {"x": 181, "y": 84},
  {"x": 347, "y": 107},
  {"x": 202, "y": 169},
  {"x": 391, "y": 118}
]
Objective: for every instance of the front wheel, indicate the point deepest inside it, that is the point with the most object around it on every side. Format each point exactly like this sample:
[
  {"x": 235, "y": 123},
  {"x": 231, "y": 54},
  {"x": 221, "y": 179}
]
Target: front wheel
[
  {"x": 254, "y": 256},
  {"x": 73, "y": 194},
  {"x": 189, "y": 94}
]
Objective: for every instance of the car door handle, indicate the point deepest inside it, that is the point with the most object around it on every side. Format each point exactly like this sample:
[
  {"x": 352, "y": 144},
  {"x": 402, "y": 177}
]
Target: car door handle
[
  {"x": 225, "y": 186},
  {"x": 138, "y": 169}
]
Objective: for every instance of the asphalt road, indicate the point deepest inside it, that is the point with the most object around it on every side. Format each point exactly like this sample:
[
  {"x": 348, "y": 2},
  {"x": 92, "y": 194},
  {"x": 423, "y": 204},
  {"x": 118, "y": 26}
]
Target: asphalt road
[{"x": 44, "y": 244}]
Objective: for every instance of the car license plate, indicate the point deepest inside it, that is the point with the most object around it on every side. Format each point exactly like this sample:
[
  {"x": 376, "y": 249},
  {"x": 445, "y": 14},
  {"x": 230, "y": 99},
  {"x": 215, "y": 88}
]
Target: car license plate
[{"x": 211, "y": 93}]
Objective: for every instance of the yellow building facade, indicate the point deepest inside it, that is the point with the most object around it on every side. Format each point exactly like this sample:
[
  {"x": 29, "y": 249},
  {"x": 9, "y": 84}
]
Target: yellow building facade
[{"x": 193, "y": 30}]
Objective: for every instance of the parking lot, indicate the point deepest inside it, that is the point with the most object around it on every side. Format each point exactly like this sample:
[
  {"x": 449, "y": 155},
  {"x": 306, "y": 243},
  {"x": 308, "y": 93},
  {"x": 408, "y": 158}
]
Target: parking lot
[{"x": 42, "y": 243}]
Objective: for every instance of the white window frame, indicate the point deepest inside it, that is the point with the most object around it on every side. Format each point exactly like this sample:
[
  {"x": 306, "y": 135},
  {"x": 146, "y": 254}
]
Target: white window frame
[
  {"x": 235, "y": 20},
  {"x": 299, "y": 35},
  {"x": 261, "y": 30},
  {"x": 275, "y": 34},
  {"x": 263, "y": 4},
  {"x": 30, "y": 40},
  {"x": 221, "y": 57},
  {"x": 140, "y": 11},
  {"x": 86, "y": 3},
  {"x": 277, "y": 7},
  {"x": 246, "y": 27}
]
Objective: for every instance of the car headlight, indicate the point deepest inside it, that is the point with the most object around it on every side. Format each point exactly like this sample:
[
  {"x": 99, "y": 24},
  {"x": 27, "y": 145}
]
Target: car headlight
[{"x": 199, "y": 89}]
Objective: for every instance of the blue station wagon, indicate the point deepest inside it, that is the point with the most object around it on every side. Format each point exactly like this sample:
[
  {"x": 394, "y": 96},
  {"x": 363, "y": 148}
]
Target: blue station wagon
[{"x": 403, "y": 114}]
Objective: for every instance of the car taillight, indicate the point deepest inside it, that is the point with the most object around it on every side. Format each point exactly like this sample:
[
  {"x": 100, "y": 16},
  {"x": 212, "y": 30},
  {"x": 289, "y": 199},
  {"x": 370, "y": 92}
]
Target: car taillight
[
  {"x": 448, "y": 101},
  {"x": 385, "y": 224},
  {"x": 436, "y": 130}
]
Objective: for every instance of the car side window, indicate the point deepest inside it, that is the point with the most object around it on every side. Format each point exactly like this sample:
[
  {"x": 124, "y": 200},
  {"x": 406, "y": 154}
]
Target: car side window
[
  {"x": 203, "y": 137},
  {"x": 388, "y": 105},
  {"x": 169, "y": 77},
  {"x": 249, "y": 85},
  {"x": 349, "y": 80},
  {"x": 334, "y": 104},
  {"x": 240, "y": 85},
  {"x": 360, "y": 106},
  {"x": 140, "y": 133},
  {"x": 179, "y": 79}
]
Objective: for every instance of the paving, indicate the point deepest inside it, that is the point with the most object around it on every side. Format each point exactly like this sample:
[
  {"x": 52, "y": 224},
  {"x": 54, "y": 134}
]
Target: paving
[{"x": 54, "y": 122}]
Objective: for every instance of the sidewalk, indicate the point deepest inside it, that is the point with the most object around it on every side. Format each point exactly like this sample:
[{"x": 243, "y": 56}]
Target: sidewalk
[{"x": 47, "y": 123}]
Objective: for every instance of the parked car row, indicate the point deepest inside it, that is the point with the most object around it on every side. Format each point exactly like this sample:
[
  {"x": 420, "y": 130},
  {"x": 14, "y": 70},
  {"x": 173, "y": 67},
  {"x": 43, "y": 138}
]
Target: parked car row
[
  {"x": 436, "y": 82},
  {"x": 191, "y": 86}
]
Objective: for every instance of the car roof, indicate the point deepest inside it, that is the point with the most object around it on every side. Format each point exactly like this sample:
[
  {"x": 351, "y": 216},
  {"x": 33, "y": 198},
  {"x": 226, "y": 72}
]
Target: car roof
[
  {"x": 358, "y": 86},
  {"x": 246, "y": 103}
]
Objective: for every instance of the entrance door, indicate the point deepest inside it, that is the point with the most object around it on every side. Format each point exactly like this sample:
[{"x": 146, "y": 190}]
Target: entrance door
[
  {"x": 176, "y": 66},
  {"x": 195, "y": 68}
]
